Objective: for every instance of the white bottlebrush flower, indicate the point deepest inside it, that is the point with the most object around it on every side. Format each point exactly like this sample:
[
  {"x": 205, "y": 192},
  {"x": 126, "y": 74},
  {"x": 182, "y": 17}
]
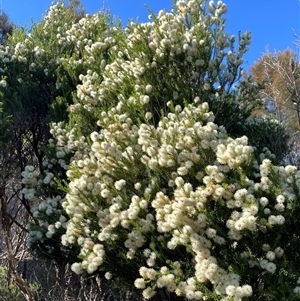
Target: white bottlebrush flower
[
  {"x": 270, "y": 255},
  {"x": 140, "y": 283},
  {"x": 148, "y": 89},
  {"x": 77, "y": 268},
  {"x": 271, "y": 267},
  {"x": 279, "y": 252},
  {"x": 148, "y": 293},
  {"x": 3, "y": 83},
  {"x": 120, "y": 184}
]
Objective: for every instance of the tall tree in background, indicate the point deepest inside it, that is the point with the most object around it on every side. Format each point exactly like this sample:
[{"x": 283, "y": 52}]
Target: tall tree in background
[
  {"x": 279, "y": 74},
  {"x": 76, "y": 7},
  {"x": 6, "y": 27}
]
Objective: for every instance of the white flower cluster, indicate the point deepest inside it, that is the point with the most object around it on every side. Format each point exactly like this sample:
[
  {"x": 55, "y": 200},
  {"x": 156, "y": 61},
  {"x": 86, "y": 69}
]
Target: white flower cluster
[
  {"x": 234, "y": 153},
  {"x": 179, "y": 40},
  {"x": 45, "y": 212},
  {"x": 49, "y": 216},
  {"x": 30, "y": 180},
  {"x": 173, "y": 152}
]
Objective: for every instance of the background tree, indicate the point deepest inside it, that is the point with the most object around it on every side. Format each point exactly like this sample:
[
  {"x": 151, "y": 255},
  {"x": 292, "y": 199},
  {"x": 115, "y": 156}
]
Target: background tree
[
  {"x": 279, "y": 74},
  {"x": 77, "y": 8},
  {"x": 6, "y": 27}
]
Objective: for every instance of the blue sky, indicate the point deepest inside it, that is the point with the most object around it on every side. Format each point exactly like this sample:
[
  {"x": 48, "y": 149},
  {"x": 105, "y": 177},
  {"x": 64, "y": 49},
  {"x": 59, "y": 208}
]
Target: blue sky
[{"x": 271, "y": 21}]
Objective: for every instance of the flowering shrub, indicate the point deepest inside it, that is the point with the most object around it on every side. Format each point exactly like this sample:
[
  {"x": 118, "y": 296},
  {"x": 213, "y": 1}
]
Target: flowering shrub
[
  {"x": 147, "y": 179},
  {"x": 40, "y": 72},
  {"x": 182, "y": 206}
]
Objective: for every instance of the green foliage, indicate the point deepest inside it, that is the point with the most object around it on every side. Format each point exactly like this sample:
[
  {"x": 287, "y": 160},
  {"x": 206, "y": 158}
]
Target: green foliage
[
  {"x": 11, "y": 291},
  {"x": 266, "y": 132},
  {"x": 4, "y": 121}
]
